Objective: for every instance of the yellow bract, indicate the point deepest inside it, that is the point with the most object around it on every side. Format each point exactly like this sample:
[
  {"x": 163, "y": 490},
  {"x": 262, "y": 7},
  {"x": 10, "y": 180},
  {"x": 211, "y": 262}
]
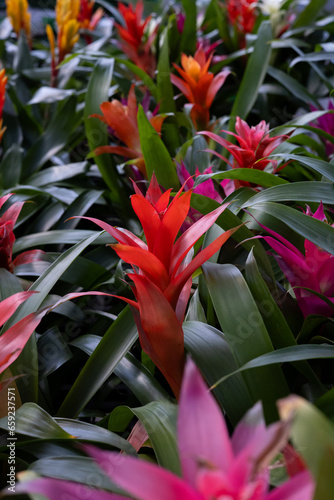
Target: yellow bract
[
  {"x": 66, "y": 10},
  {"x": 68, "y": 37},
  {"x": 191, "y": 66},
  {"x": 17, "y": 11}
]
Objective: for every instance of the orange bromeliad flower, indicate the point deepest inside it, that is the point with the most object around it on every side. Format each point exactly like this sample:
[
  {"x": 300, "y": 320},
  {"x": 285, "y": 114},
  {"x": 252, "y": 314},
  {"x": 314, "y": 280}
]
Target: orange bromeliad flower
[
  {"x": 67, "y": 12},
  {"x": 86, "y": 18},
  {"x": 162, "y": 272},
  {"x": 198, "y": 85},
  {"x": 17, "y": 11},
  {"x": 135, "y": 43},
  {"x": 3, "y": 81},
  {"x": 122, "y": 119}
]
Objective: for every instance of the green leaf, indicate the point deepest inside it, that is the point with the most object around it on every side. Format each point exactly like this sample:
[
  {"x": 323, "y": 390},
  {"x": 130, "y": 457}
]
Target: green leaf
[
  {"x": 159, "y": 420},
  {"x": 311, "y": 433},
  {"x": 54, "y": 138},
  {"x": 297, "y": 191},
  {"x": 84, "y": 431},
  {"x": 245, "y": 332},
  {"x": 164, "y": 85},
  {"x": 96, "y": 131},
  {"x": 309, "y": 13},
  {"x": 297, "y": 122},
  {"x": 277, "y": 327},
  {"x": 50, "y": 95},
  {"x": 244, "y": 174},
  {"x": 147, "y": 81},
  {"x": 27, "y": 362},
  {"x": 31, "y": 420},
  {"x": 323, "y": 167},
  {"x": 10, "y": 167},
  {"x": 57, "y": 173},
  {"x": 114, "y": 345},
  {"x": 156, "y": 156},
  {"x": 254, "y": 74},
  {"x": 228, "y": 220},
  {"x": 293, "y": 86},
  {"x": 82, "y": 470},
  {"x": 285, "y": 355},
  {"x": 213, "y": 356},
  {"x": 320, "y": 233},
  {"x": 325, "y": 483},
  {"x": 65, "y": 236},
  {"x": 189, "y": 33},
  {"x": 129, "y": 370}
]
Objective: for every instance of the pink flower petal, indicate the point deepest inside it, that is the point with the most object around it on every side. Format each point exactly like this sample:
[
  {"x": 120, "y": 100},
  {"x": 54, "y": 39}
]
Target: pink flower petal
[
  {"x": 202, "y": 432},
  {"x": 141, "y": 479},
  {"x": 56, "y": 489}
]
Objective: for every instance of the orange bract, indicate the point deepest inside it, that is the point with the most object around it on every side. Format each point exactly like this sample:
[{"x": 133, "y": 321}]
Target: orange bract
[
  {"x": 198, "y": 85},
  {"x": 122, "y": 119}
]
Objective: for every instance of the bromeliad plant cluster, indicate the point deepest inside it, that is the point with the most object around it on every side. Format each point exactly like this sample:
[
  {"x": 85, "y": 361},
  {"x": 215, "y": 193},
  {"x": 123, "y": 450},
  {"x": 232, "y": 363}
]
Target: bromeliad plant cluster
[{"x": 166, "y": 249}]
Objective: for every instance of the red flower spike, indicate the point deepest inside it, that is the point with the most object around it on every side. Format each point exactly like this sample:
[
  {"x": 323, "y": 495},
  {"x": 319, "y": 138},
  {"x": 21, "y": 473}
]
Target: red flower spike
[
  {"x": 242, "y": 16},
  {"x": 163, "y": 270},
  {"x": 134, "y": 42}
]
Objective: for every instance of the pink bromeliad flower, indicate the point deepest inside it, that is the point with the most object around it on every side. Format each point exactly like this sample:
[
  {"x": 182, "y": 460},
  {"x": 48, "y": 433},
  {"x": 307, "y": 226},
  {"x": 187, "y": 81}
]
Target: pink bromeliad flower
[
  {"x": 214, "y": 466},
  {"x": 254, "y": 147},
  {"x": 314, "y": 270}
]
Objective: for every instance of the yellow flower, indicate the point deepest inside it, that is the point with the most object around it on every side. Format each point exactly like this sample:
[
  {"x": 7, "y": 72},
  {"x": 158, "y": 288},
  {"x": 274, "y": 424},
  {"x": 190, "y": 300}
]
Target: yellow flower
[{"x": 17, "y": 11}]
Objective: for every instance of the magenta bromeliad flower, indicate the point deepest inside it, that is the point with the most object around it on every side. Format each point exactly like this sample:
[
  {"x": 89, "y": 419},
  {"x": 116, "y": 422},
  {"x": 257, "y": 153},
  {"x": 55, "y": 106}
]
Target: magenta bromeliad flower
[
  {"x": 314, "y": 270},
  {"x": 254, "y": 147},
  {"x": 214, "y": 466}
]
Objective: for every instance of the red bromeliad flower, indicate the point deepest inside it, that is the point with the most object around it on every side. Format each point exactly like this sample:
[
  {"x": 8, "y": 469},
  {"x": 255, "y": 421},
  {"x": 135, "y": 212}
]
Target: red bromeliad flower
[
  {"x": 242, "y": 16},
  {"x": 135, "y": 43},
  {"x": 122, "y": 119},
  {"x": 3, "y": 82},
  {"x": 254, "y": 147},
  {"x": 314, "y": 270},
  {"x": 198, "y": 85},
  {"x": 162, "y": 270},
  {"x": 7, "y": 238},
  {"x": 86, "y": 18}
]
